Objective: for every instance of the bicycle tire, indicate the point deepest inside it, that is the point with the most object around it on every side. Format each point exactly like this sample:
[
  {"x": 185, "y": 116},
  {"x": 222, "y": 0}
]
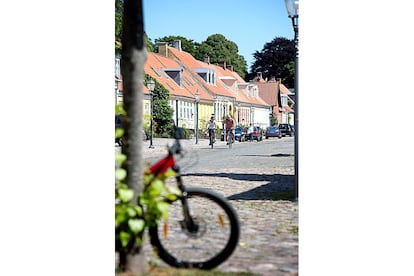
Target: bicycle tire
[
  {"x": 211, "y": 140},
  {"x": 201, "y": 252}
]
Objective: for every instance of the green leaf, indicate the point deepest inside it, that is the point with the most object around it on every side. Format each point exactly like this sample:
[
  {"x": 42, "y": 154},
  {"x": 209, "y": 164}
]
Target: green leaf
[
  {"x": 136, "y": 225},
  {"x": 124, "y": 237},
  {"x": 172, "y": 197},
  {"x": 125, "y": 195},
  {"x": 119, "y": 218},
  {"x": 120, "y": 174},
  {"x": 138, "y": 209},
  {"x": 119, "y": 132},
  {"x": 174, "y": 190},
  {"x": 131, "y": 211},
  {"x": 169, "y": 173},
  {"x": 156, "y": 188},
  {"x": 120, "y": 158},
  {"x": 119, "y": 109},
  {"x": 163, "y": 206}
]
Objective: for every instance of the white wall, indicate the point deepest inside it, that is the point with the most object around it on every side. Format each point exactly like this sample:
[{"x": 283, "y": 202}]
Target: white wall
[{"x": 261, "y": 117}]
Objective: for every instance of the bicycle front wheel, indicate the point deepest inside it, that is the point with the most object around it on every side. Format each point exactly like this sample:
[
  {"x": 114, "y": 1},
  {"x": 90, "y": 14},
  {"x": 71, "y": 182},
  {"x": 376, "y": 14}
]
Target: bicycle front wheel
[{"x": 214, "y": 241}]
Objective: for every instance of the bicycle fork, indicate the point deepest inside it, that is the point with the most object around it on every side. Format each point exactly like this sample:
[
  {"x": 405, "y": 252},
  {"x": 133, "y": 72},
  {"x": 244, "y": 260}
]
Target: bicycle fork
[{"x": 188, "y": 223}]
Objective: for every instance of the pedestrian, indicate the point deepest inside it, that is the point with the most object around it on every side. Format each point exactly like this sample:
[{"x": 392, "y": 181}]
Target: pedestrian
[
  {"x": 250, "y": 131},
  {"x": 211, "y": 127},
  {"x": 229, "y": 123}
]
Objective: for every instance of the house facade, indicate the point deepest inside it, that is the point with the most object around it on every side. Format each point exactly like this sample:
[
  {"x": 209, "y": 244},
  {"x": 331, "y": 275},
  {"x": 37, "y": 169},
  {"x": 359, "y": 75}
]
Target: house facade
[
  {"x": 275, "y": 94},
  {"x": 199, "y": 89}
]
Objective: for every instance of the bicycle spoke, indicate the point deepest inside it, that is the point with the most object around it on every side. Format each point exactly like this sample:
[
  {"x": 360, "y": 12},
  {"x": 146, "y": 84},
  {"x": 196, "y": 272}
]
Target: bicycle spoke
[{"x": 206, "y": 246}]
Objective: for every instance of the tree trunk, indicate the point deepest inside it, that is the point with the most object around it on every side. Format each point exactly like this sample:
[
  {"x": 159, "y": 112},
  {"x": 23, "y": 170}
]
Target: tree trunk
[{"x": 132, "y": 67}]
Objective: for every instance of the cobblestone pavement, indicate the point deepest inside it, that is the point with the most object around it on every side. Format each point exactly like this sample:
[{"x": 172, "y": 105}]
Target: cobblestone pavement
[{"x": 269, "y": 228}]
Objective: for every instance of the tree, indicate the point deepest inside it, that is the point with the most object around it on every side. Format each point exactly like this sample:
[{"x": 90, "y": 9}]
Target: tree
[
  {"x": 275, "y": 60},
  {"x": 219, "y": 49},
  {"x": 150, "y": 45},
  {"x": 163, "y": 112},
  {"x": 119, "y": 14},
  {"x": 132, "y": 65}
]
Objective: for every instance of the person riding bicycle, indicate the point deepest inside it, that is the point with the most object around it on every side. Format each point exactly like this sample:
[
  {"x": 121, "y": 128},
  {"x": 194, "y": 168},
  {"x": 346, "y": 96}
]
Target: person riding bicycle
[
  {"x": 229, "y": 123},
  {"x": 211, "y": 127}
]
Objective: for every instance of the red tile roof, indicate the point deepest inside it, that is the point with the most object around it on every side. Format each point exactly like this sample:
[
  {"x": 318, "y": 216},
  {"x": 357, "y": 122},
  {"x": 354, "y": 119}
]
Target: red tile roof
[
  {"x": 155, "y": 66},
  {"x": 225, "y": 78},
  {"x": 268, "y": 92},
  {"x": 191, "y": 63}
]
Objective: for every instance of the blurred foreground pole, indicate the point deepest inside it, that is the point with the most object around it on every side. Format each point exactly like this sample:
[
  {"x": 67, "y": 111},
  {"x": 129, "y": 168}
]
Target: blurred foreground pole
[
  {"x": 132, "y": 68},
  {"x": 292, "y": 7}
]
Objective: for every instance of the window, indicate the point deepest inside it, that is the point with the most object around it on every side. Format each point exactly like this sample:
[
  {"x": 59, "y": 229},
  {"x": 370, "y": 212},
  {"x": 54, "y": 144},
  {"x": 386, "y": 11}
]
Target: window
[
  {"x": 175, "y": 75},
  {"x": 208, "y": 75}
]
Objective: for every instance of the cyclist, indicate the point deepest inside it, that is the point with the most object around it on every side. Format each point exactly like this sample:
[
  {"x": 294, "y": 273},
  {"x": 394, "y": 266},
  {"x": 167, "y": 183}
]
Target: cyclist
[
  {"x": 229, "y": 122},
  {"x": 211, "y": 127}
]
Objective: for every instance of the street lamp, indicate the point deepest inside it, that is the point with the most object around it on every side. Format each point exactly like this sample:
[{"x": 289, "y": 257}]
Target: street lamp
[
  {"x": 292, "y": 8},
  {"x": 151, "y": 87},
  {"x": 238, "y": 113},
  {"x": 197, "y": 99}
]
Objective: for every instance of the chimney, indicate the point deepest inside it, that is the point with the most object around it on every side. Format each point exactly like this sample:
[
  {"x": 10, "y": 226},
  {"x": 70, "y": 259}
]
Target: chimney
[
  {"x": 177, "y": 44},
  {"x": 162, "y": 49},
  {"x": 230, "y": 67},
  {"x": 222, "y": 64},
  {"x": 206, "y": 59}
]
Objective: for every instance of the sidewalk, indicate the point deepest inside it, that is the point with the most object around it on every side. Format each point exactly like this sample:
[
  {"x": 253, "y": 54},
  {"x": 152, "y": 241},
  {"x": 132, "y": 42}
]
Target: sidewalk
[{"x": 160, "y": 145}]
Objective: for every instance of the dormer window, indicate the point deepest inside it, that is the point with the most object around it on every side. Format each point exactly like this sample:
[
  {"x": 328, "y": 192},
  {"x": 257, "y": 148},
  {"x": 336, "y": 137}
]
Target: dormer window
[
  {"x": 228, "y": 81},
  {"x": 174, "y": 74},
  {"x": 208, "y": 75}
]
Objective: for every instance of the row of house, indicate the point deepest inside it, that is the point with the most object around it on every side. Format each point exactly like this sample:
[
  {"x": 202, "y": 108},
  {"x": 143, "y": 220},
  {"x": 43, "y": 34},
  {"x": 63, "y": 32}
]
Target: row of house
[{"x": 210, "y": 89}]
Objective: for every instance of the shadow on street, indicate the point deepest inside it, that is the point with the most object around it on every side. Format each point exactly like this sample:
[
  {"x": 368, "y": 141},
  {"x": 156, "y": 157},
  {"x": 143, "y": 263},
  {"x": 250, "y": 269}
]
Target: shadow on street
[{"x": 276, "y": 186}]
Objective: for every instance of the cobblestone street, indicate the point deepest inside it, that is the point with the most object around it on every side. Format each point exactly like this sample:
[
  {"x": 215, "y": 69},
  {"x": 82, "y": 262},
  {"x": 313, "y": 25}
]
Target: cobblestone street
[{"x": 269, "y": 224}]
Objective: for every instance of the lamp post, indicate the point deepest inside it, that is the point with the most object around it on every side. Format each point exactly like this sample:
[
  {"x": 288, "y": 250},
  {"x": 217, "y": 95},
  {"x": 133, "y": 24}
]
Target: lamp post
[
  {"x": 197, "y": 99},
  {"x": 238, "y": 113},
  {"x": 292, "y": 7},
  {"x": 151, "y": 87}
]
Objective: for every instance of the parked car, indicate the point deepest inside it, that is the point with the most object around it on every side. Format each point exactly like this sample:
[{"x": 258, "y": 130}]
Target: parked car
[
  {"x": 273, "y": 131},
  {"x": 257, "y": 133},
  {"x": 238, "y": 132},
  {"x": 286, "y": 129}
]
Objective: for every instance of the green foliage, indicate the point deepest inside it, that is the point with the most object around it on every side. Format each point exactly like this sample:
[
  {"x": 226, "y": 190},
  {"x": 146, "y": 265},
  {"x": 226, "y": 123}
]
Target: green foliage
[
  {"x": 275, "y": 60},
  {"x": 187, "y": 133},
  {"x": 163, "y": 112},
  {"x": 187, "y": 45},
  {"x": 119, "y": 13},
  {"x": 273, "y": 120},
  {"x": 218, "y": 48},
  {"x": 150, "y": 46},
  {"x": 131, "y": 218}
]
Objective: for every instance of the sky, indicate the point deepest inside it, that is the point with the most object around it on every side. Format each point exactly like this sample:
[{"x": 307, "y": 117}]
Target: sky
[{"x": 248, "y": 23}]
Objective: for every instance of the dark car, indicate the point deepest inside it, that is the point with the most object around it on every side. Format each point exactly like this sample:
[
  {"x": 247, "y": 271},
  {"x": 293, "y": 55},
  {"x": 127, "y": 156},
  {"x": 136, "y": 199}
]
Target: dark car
[
  {"x": 286, "y": 129},
  {"x": 257, "y": 133},
  {"x": 273, "y": 131},
  {"x": 238, "y": 132}
]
